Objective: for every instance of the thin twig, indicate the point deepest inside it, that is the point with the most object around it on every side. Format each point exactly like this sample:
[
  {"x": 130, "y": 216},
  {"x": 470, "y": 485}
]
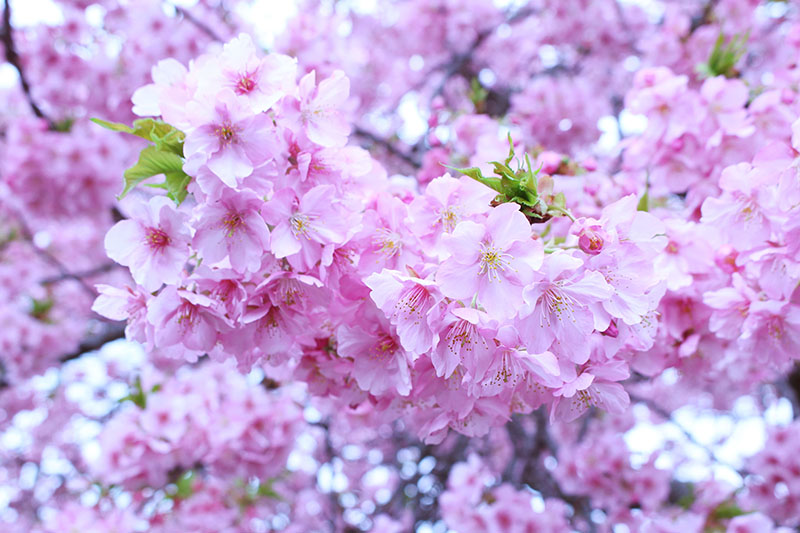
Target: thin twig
[
  {"x": 78, "y": 275},
  {"x": 459, "y": 61},
  {"x": 388, "y": 145},
  {"x": 92, "y": 343},
  {"x": 53, "y": 260},
  {"x": 202, "y": 26},
  {"x": 667, "y": 416},
  {"x": 13, "y": 58}
]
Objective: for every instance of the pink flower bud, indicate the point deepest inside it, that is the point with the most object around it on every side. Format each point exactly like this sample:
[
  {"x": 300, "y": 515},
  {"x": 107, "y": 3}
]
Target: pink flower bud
[
  {"x": 592, "y": 239},
  {"x": 612, "y": 330}
]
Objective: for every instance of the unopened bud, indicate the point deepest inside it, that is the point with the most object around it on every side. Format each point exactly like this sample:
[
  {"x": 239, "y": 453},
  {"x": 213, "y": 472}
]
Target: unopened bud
[
  {"x": 592, "y": 239},
  {"x": 612, "y": 330}
]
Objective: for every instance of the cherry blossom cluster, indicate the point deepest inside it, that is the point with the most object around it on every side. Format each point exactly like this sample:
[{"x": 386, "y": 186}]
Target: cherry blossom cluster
[
  {"x": 693, "y": 133},
  {"x": 205, "y": 417},
  {"x": 317, "y": 318},
  {"x": 473, "y": 502},
  {"x": 730, "y": 308},
  {"x": 600, "y": 469},
  {"x": 300, "y": 251},
  {"x": 774, "y": 475},
  {"x": 59, "y": 174}
]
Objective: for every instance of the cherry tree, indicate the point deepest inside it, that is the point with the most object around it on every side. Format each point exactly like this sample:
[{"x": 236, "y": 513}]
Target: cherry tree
[{"x": 401, "y": 266}]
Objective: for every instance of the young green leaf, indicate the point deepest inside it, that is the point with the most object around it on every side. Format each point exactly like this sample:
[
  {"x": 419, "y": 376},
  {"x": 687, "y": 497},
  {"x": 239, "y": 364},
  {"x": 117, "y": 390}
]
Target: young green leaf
[
  {"x": 152, "y": 162},
  {"x": 165, "y": 136},
  {"x": 113, "y": 126}
]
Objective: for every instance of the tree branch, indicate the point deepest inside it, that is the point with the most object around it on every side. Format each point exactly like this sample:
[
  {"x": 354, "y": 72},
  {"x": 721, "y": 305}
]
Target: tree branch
[
  {"x": 13, "y": 58},
  {"x": 114, "y": 331},
  {"x": 202, "y": 26},
  {"x": 64, "y": 272},
  {"x": 667, "y": 416},
  {"x": 78, "y": 276},
  {"x": 389, "y": 146}
]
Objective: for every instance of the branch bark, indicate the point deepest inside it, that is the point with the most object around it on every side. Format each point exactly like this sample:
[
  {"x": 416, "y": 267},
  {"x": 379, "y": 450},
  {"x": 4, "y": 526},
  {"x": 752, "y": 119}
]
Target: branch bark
[
  {"x": 112, "y": 332},
  {"x": 13, "y": 58},
  {"x": 389, "y": 146}
]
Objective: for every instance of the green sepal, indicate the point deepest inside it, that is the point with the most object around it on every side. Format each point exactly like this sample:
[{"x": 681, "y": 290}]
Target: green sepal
[
  {"x": 723, "y": 58},
  {"x": 727, "y": 510},
  {"x": 476, "y": 174},
  {"x": 644, "y": 202},
  {"x": 136, "y": 395},
  {"x": 183, "y": 486},
  {"x": 40, "y": 308}
]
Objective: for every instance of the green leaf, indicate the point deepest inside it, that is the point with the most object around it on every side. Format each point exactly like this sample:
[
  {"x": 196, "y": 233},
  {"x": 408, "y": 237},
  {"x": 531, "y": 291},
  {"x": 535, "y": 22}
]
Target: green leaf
[
  {"x": 687, "y": 500},
  {"x": 40, "y": 308},
  {"x": 266, "y": 490},
  {"x": 723, "y": 58},
  {"x": 477, "y": 94},
  {"x": 476, "y": 174},
  {"x": 176, "y": 184},
  {"x": 184, "y": 485},
  {"x": 113, "y": 126},
  {"x": 511, "y": 149},
  {"x": 165, "y": 136},
  {"x": 64, "y": 125},
  {"x": 727, "y": 510},
  {"x": 644, "y": 202},
  {"x": 136, "y": 395},
  {"x": 152, "y": 162}
]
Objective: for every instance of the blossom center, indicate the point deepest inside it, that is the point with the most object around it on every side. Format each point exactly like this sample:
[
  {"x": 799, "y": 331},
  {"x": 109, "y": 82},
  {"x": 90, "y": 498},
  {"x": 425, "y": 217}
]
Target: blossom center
[
  {"x": 301, "y": 224},
  {"x": 413, "y": 302},
  {"x": 389, "y": 242},
  {"x": 449, "y": 218},
  {"x": 245, "y": 84},
  {"x": 187, "y": 315},
  {"x": 493, "y": 261},
  {"x": 384, "y": 348},
  {"x": 157, "y": 239},
  {"x": 226, "y": 133},
  {"x": 558, "y": 303},
  {"x": 232, "y": 222}
]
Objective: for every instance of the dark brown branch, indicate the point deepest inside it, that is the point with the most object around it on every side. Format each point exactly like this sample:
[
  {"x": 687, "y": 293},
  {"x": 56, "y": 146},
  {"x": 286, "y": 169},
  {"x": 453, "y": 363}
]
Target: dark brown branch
[
  {"x": 790, "y": 389},
  {"x": 705, "y": 17},
  {"x": 53, "y": 260},
  {"x": 388, "y": 146},
  {"x": 667, "y": 416},
  {"x": 458, "y": 64},
  {"x": 13, "y": 58},
  {"x": 112, "y": 332},
  {"x": 78, "y": 276},
  {"x": 202, "y": 26}
]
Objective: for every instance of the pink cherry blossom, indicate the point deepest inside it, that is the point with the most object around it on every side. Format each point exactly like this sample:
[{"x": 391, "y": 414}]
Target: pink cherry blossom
[
  {"x": 233, "y": 228},
  {"x": 227, "y": 138},
  {"x": 492, "y": 261},
  {"x": 153, "y": 243}
]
